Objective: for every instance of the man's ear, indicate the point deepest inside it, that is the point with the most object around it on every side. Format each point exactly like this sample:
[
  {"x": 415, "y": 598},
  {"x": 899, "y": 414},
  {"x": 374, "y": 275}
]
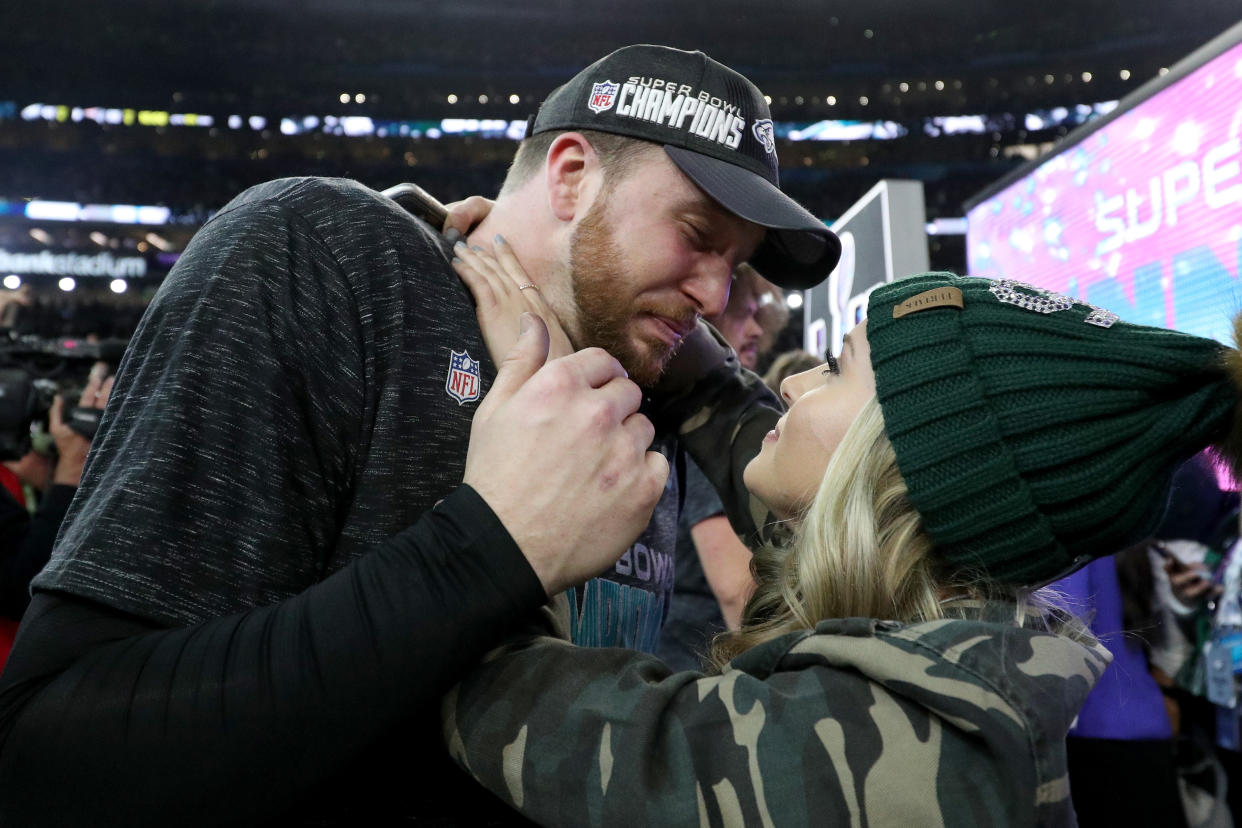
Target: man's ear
[{"x": 572, "y": 175}]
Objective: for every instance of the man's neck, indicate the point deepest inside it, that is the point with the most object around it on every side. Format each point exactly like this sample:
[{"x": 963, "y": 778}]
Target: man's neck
[
  {"x": 534, "y": 243},
  {"x": 520, "y": 228}
]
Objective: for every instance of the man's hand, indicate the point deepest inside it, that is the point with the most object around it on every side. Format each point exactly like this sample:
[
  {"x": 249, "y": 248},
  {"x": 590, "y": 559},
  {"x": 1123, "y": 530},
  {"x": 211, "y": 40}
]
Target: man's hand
[
  {"x": 559, "y": 452},
  {"x": 71, "y": 447}
]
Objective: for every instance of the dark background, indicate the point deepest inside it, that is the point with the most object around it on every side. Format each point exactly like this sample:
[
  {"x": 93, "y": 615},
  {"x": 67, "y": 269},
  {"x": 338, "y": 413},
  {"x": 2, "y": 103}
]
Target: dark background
[{"x": 274, "y": 58}]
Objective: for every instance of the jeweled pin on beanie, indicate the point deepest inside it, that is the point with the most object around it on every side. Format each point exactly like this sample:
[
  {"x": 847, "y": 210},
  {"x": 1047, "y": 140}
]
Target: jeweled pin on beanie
[{"x": 1035, "y": 432}]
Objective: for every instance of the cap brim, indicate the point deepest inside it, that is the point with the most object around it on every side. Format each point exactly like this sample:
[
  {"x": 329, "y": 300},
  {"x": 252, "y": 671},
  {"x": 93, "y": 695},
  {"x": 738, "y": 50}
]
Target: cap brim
[{"x": 799, "y": 251}]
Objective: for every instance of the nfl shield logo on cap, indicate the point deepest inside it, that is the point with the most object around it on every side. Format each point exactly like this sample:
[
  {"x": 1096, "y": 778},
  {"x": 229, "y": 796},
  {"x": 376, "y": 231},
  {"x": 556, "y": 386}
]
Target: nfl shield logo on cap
[
  {"x": 463, "y": 382},
  {"x": 602, "y": 96}
]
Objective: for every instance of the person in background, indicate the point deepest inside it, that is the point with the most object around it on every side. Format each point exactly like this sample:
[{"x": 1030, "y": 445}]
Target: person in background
[
  {"x": 26, "y": 539},
  {"x": 753, "y": 318},
  {"x": 11, "y": 303},
  {"x": 1137, "y": 729},
  {"x": 1181, "y": 594},
  {"x": 1120, "y": 749},
  {"x": 712, "y": 579}
]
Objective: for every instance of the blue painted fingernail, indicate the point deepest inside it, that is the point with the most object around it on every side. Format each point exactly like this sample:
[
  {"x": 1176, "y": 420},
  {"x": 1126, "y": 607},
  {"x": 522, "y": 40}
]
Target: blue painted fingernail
[
  {"x": 500, "y": 239},
  {"x": 452, "y": 235},
  {"x": 456, "y": 260},
  {"x": 460, "y": 244},
  {"x": 476, "y": 248}
]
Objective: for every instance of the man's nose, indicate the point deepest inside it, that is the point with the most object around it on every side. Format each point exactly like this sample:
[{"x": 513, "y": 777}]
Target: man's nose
[{"x": 709, "y": 285}]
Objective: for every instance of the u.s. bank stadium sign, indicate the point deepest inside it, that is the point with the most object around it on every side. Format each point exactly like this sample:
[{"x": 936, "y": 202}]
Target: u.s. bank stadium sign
[{"x": 72, "y": 264}]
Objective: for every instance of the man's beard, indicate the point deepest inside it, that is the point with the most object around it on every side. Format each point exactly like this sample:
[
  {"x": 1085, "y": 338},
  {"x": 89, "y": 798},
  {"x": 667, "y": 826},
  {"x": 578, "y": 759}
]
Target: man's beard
[{"x": 599, "y": 282}]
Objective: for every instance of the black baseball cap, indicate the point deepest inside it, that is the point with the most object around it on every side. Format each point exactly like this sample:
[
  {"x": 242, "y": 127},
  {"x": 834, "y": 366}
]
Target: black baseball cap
[{"x": 715, "y": 126}]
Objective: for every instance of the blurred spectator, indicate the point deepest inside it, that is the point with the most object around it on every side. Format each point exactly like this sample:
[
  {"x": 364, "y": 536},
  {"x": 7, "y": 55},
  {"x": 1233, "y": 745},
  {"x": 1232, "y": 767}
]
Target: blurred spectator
[
  {"x": 1121, "y": 753},
  {"x": 10, "y": 304},
  {"x": 1136, "y": 732},
  {"x": 756, "y": 313},
  {"x": 1181, "y": 592},
  {"x": 25, "y": 539}
]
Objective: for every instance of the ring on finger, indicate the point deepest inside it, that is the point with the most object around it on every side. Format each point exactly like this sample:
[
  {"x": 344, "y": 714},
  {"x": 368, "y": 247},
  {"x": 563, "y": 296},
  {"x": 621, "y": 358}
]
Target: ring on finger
[{"x": 528, "y": 285}]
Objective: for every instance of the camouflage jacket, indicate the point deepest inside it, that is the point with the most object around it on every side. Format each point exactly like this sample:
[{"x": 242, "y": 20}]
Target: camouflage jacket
[{"x": 857, "y": 723}]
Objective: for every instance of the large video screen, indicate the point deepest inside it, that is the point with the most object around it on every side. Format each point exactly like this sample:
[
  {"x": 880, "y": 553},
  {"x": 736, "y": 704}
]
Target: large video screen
[{"x": 1139, "y": 212}]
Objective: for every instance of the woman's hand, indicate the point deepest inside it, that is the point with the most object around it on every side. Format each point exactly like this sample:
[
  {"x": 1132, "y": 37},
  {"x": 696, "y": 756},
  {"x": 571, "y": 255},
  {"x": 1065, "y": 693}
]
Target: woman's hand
[
  {"x": 463, "y": 215},
  {"x": 502, "y": 293}
]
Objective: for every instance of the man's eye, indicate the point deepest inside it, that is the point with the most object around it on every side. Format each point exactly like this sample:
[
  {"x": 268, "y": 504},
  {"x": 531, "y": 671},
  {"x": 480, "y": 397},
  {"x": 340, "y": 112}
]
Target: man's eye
[{"x": 695, "y": 236}]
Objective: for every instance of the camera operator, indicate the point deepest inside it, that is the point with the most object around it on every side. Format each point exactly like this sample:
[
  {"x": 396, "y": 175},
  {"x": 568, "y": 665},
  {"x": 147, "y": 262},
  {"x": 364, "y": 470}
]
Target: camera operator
[{"x": 26, "y": 540}]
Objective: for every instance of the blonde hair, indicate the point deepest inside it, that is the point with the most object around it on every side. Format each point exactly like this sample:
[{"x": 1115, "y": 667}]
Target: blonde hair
[{"x": 860, "y": 550}]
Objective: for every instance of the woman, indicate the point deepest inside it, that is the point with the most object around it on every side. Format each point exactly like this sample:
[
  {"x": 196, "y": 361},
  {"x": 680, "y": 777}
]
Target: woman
[{"x": 973, "y": 441}]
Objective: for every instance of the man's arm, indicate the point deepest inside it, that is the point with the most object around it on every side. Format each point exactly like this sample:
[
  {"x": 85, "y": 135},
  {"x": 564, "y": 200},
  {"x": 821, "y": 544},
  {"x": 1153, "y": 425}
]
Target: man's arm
[
  {"x": 726, "y": 565},
  {"x": 107, "y": 720},
  {"x": 723, "y": 559},
  {"x": 120, "y": 705}
]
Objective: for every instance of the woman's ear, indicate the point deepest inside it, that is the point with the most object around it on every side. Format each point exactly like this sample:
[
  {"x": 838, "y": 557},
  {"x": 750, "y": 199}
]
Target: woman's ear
[{"x": 571, "y": 169}]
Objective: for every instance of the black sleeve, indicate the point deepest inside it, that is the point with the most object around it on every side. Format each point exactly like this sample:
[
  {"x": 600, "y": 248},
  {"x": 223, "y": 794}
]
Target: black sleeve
[
  {"x": 26, "y": 544},
  {"x": 106, "y": 720}
]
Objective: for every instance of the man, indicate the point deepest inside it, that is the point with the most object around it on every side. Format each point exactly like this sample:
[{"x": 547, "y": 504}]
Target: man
[
  {"x": 755, "y": 315},
  {"x": 273, "y": 571}
]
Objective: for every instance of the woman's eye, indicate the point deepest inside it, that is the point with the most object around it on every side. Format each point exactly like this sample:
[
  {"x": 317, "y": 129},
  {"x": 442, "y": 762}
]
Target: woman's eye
[{"x": 834, "y": 367}]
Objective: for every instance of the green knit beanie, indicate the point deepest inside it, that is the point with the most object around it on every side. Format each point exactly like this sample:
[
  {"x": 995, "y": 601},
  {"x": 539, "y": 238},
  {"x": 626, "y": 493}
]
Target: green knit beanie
[{"x": 1030, "y": 439}]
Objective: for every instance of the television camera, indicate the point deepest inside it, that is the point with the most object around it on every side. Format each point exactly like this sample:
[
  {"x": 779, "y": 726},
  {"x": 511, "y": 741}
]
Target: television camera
[{"x": 33, "y": 370}]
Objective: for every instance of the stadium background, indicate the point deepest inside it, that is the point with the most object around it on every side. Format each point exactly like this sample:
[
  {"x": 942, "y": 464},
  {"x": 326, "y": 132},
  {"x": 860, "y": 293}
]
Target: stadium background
[{"x": 178, "y": 106}]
